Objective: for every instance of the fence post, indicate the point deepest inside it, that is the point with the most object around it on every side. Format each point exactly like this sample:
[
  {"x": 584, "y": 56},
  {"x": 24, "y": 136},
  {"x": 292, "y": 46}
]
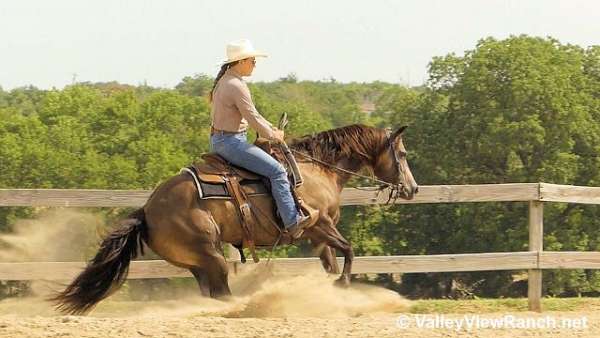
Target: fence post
[{"x": 536, "y": 244}]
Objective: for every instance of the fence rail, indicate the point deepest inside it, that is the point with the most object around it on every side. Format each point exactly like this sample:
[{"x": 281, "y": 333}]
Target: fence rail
[
  {"x": 350, "y": 196},
  {"x": 364, "y": 265},
  {"x": 533, "y": 260}
]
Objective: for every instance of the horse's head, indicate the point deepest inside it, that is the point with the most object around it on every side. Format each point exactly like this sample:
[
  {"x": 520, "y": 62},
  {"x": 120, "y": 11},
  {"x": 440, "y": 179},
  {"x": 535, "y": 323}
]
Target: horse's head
[{"x": 391, "y": 165}]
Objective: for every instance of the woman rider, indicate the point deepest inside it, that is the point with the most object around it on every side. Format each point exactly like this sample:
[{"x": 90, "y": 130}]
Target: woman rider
[{"x": 232, "y": 112}]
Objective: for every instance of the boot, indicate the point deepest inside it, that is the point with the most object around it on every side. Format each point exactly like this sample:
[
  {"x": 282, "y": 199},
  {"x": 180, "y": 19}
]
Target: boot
[
  {"x": 308, "y": 211},
  {"x": 308, "y": 217}
]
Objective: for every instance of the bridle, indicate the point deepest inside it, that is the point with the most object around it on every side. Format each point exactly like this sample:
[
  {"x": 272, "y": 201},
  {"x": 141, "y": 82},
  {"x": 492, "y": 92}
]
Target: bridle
[{"x": 395, "y": 189}]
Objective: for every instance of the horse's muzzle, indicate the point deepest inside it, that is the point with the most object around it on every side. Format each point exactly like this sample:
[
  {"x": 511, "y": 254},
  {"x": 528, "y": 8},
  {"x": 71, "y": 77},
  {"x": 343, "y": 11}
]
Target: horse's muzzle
[{"x": 408, "y": 193}]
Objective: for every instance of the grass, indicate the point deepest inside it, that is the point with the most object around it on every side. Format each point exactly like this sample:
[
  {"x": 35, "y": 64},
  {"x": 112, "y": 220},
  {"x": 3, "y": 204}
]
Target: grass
[{"x": 502, "y": 305}]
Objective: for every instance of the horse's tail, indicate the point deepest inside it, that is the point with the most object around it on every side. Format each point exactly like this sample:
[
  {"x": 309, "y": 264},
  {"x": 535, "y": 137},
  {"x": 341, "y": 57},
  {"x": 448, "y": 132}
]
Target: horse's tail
[{"x": 107, "y": 271}]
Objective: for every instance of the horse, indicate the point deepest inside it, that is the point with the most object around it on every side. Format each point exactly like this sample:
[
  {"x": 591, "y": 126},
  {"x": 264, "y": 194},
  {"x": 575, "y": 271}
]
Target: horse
[{"x": 188, "y": 232}]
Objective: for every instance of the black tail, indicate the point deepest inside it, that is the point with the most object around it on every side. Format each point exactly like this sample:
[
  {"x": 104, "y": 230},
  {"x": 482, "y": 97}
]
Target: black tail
[{"x": 106, "y": 272}]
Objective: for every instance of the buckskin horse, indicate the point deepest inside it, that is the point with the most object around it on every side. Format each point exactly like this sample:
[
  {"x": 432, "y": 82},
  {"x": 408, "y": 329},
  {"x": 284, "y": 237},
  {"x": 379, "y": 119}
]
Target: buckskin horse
[{"x": 188, "y": 231}]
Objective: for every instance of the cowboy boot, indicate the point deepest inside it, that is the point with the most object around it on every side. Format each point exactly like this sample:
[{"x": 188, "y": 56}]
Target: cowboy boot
[
  {"x": 309, "y": 211},
  {"x": 308, "y": 218}
]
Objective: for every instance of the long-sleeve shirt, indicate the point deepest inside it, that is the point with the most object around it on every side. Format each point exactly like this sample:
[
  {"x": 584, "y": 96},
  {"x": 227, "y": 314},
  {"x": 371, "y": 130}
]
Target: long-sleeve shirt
[{"x": 233, "y": 109}]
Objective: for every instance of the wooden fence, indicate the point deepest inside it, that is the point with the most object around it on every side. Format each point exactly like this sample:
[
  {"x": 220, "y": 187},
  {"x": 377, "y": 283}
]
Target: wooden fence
[{"x": 534, "y": 260}]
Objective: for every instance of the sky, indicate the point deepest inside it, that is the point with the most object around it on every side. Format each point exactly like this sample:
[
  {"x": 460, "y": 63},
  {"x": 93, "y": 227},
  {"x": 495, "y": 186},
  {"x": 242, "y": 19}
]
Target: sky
[{"x": 55, "y": 43}]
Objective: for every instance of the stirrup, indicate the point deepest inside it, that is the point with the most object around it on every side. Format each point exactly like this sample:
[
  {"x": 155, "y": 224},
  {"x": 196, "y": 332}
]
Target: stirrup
[
  {"x": 295, "y": 231},
  {"x": 308, "y": 211},
  {"x": 307, "y": 219}
]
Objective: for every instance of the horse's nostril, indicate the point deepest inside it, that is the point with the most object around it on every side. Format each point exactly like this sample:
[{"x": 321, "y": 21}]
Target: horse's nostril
[{"x": 416, "y": 189}]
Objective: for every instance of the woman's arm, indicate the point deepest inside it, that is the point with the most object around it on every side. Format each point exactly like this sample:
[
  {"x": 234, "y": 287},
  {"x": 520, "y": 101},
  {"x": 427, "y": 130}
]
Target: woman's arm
[{"x": 243, "y": 102}]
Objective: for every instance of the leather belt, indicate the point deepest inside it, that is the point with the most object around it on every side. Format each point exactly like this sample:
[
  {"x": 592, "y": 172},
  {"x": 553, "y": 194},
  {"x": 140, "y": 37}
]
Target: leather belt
[{"x": 215, "y": 131}]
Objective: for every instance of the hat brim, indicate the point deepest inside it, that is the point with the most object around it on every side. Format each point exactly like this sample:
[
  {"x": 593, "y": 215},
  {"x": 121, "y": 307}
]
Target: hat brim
[{"x": 244, "y": 56}]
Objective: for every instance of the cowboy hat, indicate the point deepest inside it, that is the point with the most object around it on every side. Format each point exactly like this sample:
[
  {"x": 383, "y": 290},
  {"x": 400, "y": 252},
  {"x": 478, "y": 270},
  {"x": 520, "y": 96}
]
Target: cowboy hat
[{"x": 241, "y": 49}]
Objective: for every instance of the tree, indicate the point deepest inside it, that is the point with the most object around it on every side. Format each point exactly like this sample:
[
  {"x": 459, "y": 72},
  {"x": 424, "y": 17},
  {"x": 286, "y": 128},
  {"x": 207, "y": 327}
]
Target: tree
[
  {"x": 522, "y": 109},
  {"x": 197, "y": 85}
]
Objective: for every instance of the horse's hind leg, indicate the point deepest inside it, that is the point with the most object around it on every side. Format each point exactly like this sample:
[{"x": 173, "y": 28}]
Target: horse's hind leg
[
  {"x": 212, "y": 269},
  {"x": 202, "y": 279},
  {"x": 217, "y": 271}
]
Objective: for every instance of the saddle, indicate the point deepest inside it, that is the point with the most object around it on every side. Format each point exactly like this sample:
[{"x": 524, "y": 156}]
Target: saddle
[
  {"x": 215, "y": 177},
  {"x": 215, "y": 169}
]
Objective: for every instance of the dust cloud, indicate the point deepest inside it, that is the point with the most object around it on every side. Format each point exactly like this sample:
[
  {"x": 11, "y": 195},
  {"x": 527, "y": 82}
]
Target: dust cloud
[
  {"x": 71, "y": 235},
  {"x": 313, "y": 294},
  {"x": 54, "y": 235},
  {"x": 259, "y": 293}
]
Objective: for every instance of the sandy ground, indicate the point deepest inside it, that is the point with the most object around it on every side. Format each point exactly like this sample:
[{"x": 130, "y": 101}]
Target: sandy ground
[
  {"x": 303, "y": 306},
  {"x": 194, "y": 325}
]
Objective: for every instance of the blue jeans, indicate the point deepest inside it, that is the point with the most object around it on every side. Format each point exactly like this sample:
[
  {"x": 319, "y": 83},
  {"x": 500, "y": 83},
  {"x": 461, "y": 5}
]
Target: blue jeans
[{"x": 235, "y": 149}]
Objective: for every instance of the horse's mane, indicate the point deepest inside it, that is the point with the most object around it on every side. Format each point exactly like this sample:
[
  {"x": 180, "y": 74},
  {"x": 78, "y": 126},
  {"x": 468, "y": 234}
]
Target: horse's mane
[{"x": 354, "y": 141}]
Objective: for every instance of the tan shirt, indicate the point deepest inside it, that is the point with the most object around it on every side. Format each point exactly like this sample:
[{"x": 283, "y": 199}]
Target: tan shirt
[{"x": 233, "y": 109}]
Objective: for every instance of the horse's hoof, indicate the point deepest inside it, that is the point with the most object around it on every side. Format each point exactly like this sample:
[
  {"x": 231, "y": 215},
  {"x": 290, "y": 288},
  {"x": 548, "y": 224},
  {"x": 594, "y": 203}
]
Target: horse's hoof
[
  {"x": 223, "y": 297},
  {"x": 342, "y": 282}
]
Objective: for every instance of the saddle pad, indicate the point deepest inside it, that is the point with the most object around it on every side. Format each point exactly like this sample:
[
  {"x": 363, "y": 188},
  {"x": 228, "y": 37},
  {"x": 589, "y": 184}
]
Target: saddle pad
[
  {"x": 219, "y": 190},
  {"x": 216, "y": 190}
]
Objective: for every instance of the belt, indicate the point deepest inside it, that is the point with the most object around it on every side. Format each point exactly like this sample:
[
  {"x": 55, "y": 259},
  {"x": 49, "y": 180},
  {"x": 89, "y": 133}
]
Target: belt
[{"x": 215, "y": 131}]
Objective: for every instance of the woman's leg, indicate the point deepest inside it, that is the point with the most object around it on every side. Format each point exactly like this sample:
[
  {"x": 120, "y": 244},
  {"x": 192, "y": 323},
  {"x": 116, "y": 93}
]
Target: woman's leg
[{"x": 236, "y": 150}]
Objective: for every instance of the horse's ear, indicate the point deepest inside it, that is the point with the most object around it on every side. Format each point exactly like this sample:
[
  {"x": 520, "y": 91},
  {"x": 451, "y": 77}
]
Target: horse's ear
[
  {"x": 283, "y": 121},
  {"x": 398, "y": 132}
]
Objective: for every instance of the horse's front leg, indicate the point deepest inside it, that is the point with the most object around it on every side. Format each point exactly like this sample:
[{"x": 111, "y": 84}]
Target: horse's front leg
[
  {"x": 325, "y": 231},
  {"x": 348, "y": 252},
  {"x": 327, "y": 256}
]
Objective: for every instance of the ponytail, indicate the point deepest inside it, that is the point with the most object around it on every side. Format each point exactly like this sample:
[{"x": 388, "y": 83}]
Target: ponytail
[{"x": 224, "y": 68}]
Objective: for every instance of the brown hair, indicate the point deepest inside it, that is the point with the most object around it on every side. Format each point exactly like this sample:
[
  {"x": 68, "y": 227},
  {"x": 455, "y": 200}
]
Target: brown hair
[{"x": 224, "y": 68}]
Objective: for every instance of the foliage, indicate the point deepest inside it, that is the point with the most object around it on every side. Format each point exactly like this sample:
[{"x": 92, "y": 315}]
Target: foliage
[{"x": 522, "y": 109}]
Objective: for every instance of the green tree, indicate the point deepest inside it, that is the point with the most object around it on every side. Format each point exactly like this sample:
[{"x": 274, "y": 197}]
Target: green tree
[
  {"x": 522, "y": 109},
  {"x": 197, "y": 85}
]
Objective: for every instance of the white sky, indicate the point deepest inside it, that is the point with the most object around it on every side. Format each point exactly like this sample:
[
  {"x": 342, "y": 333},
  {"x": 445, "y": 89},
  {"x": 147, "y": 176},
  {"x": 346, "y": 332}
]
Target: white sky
[{"x": 44, "y": 43}]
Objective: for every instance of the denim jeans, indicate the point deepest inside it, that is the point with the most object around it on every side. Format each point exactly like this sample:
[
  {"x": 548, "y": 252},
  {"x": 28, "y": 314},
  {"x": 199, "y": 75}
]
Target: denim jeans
[{"x": 235, "y": 149}]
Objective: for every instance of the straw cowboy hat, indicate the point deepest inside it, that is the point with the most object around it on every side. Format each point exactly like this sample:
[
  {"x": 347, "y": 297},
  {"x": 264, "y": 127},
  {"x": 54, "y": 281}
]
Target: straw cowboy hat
[{"x": 241, "y": 49}]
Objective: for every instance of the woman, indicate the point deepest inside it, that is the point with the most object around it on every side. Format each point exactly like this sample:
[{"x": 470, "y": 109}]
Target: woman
[{"x": 232, "y": 112}]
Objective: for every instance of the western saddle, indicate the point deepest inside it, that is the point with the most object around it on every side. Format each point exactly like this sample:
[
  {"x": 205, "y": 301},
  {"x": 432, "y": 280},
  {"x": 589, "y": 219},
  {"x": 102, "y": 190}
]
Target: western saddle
[{"x": 237, "y": 184}]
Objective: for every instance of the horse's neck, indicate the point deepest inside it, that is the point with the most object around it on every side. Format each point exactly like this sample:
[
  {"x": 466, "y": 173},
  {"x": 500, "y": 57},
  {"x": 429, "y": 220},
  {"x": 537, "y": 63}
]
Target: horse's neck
[
  {"x": 325, "y": 184},
  {"x": 350, "y": 162},
  {"x": 349, "y": 165}
]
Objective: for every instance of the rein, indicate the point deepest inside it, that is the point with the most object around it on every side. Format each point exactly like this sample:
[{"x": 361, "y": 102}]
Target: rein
[
  {"x": 314, "y": 159},
  {"x": 394, "y": 188}
]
